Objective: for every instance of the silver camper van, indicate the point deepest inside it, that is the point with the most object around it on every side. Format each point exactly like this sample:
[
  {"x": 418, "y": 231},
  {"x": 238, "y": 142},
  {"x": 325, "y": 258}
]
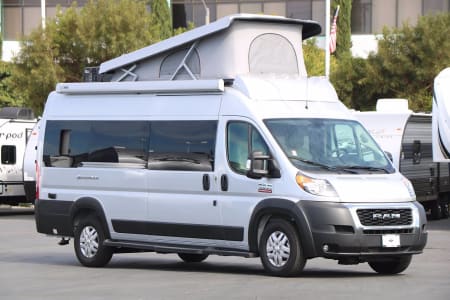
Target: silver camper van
[{"x": 216, "y": 142}]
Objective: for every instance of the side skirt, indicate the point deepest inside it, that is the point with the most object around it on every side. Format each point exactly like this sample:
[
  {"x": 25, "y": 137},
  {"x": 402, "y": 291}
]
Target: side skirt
[{"x": 169, "y": 248}]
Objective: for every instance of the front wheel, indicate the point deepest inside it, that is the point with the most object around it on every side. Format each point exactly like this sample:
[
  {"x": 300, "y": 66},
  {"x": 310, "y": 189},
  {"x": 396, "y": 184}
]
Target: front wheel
[
  {"x": 89, "y": 239},
  {"x": 392, "y": 266},
  {"x": 280, "y": 249}
]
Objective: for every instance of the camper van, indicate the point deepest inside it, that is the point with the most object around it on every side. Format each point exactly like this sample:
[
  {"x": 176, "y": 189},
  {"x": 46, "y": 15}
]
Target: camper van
[
  {"x": 407, "y": 136},
  {"x": 216, "y": 142},
  {"x": 16, "y": 124}
]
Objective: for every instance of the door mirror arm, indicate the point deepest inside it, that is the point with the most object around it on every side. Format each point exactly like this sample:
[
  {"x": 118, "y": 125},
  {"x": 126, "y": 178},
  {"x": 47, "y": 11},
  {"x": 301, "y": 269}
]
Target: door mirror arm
[{"x": 262, "y": 165}]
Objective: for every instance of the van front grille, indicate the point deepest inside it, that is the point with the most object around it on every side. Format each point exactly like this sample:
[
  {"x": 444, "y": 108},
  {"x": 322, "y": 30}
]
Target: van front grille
[{"x": 385, "y": 217}]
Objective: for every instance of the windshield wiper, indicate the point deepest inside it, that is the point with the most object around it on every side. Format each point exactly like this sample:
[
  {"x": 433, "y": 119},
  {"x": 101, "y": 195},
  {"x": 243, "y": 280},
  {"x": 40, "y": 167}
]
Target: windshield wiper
[
  {"x": 310, "y": 162},
  {"x": 323, "y": 166},
  {"x": 365, "y": 168}
]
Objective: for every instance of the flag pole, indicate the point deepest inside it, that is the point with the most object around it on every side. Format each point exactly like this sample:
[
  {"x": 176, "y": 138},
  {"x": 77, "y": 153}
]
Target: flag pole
[{"x": 327, "y": 37}]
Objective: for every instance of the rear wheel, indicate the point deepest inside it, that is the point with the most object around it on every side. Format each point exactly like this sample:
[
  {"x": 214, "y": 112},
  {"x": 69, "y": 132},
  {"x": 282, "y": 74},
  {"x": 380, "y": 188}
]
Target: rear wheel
[
  {"x": 89, "y": 239},
  {"x": 192, "y": 257},
  {"x": 280, "y": 249},
  {"x": 445, "y": 210},
  {"x": 392, "y": 266},
  {"x": 436, "y": 210}
]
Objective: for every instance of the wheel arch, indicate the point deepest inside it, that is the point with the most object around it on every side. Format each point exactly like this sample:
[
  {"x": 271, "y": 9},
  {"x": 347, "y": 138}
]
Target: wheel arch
[
  {"x": 285, "y": 209},
  {"x": 89, "y": 206}
]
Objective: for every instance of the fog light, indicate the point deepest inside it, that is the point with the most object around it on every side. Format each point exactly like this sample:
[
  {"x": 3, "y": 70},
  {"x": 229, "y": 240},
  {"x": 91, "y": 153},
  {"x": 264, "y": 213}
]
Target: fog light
[{"x": 325, "y": 248}]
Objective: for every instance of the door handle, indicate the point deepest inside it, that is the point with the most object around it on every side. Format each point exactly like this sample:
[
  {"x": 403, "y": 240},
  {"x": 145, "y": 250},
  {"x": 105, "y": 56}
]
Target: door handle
[
  {"x": 206, "y": 182},
  {"x": 224, "y": 183}
]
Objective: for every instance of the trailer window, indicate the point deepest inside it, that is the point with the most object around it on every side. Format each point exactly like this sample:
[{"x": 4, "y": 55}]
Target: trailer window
[{"x": 8, "y": 155}]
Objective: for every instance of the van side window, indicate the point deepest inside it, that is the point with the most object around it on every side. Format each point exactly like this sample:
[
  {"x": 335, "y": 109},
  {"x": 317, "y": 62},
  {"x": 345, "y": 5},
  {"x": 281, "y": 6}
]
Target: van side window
[
  {"x": 119, "y": 142},
  {"x": 8, "y": 155},
  {"x": 72, "y": 143},
  {"x": 182, "y": 145},
  {"x": 243, "y": 139}
]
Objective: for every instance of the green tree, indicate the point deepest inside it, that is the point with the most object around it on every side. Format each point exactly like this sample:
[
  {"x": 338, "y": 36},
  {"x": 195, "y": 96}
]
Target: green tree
[
  {"x": 344, "y": 30},
  {"x": 162, "y": 18},
  {"x": 7, "y": 96},
  {"x": 405, "y": 65},
  {"x": 408, "y": 59},
  {"x": 314, "y": 58},
  {"x": 75, "y": 39}
]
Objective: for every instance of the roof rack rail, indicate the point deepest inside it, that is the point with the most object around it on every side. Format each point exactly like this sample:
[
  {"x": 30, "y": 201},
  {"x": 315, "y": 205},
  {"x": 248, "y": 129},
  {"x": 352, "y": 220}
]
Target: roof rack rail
[{"x": 142, "y": 87}]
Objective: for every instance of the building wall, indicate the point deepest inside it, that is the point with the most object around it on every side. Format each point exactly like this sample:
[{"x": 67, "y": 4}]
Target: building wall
[
  {"x": 20, "y": 17},
  {"x": 368, "y": 16}
]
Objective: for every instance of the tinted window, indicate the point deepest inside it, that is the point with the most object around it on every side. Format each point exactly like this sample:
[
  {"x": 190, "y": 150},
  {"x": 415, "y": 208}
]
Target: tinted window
[
  {"x": 238, "y": 147},
  {"x": 70, "y": 143},
  {"x": 119, "y": 141},
  {"x": 8, "y": 155},
  {"x": 182, "y": 145}
]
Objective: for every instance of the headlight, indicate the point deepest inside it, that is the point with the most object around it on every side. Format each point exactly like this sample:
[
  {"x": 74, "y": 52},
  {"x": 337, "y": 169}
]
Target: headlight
[
  {"x": 409, "y": 187},
  {"x": 319, "y": 187}
]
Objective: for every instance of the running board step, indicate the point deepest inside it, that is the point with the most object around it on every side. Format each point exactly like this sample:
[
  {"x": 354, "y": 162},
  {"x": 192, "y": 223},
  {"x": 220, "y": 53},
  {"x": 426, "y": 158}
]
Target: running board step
[{"x": 170, "y": 248}]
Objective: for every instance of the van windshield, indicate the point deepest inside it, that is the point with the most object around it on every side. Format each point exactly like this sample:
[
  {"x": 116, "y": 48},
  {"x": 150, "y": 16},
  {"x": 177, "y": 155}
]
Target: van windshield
[{"x": 331, "y": 145}]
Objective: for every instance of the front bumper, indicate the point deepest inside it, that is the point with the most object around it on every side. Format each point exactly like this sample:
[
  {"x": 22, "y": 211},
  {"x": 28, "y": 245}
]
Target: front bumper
[{"x": 339, "y": 233}]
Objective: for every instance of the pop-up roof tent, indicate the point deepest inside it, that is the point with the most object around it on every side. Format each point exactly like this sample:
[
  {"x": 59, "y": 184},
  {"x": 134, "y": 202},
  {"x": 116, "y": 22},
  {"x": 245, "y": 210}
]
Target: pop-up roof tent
[{"x": 234, "y": 45}]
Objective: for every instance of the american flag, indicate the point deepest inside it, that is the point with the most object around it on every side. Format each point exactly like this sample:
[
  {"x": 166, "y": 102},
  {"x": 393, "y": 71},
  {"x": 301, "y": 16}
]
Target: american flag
[{"x": 333, "y": 32}]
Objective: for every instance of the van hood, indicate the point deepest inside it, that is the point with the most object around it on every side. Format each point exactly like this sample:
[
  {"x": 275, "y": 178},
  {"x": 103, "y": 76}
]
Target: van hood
[{"x": 373, "y": 188}]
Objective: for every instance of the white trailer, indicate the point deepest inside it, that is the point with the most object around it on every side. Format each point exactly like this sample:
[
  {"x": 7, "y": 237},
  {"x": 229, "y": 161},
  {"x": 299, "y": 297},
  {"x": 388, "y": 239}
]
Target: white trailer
[
  {"x": 16, "y": 125},
  {"x": 407, "y": 137},
  {"x": 441, "y": 117}
]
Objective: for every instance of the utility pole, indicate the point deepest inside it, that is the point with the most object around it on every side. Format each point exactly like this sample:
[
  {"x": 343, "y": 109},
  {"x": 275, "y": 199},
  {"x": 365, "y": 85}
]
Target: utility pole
[{"x": 43, "y": 13}]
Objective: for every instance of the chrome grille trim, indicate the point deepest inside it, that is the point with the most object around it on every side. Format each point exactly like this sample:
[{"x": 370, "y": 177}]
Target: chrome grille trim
[
  {"x": 354, "y": 207},
  {"x": 385, "y": 216}
]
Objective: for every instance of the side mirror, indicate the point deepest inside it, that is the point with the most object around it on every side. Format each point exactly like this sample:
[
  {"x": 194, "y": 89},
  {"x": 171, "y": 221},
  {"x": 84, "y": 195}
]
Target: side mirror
[
  {"x": 262, "y": 165},
  {"x": 389, "y": 155}
]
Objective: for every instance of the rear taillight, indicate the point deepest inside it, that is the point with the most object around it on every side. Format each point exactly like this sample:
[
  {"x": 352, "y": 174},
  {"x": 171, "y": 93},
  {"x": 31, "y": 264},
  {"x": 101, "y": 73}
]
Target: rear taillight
[{"x": 37, "y": 180}]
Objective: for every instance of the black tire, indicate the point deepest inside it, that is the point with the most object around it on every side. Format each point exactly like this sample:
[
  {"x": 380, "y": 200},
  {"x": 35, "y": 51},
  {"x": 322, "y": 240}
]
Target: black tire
[
  {"x": 445, "y": 213},
  {"x": 436, "y": 211},
  {"x": 391, "y": 266},
  {"x": 88, "y": 245},
  {"x": 280, "y": 249},
  {"x": 192, "y": 257}
]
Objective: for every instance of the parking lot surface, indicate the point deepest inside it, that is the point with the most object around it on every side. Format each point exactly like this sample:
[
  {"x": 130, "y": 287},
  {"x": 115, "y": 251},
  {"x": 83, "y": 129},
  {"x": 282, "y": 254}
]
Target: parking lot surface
[{"x": 33, "y": 266}]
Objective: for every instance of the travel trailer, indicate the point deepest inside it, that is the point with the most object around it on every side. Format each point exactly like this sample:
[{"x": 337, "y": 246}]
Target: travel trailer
[
  {"x": 16, "y": 125},
  {"x": 216, "y": 142},
  {"x": 441, "y": 117},
  {"x": 407, "y": 136}
]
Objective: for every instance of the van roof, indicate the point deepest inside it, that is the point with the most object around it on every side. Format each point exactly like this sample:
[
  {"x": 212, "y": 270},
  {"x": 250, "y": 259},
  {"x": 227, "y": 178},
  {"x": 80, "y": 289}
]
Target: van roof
[{"x": 205, "y": 35}]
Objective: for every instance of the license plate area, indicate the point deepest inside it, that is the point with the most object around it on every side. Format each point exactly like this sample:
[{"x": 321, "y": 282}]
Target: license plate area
[{"x": 390, "y": 240}]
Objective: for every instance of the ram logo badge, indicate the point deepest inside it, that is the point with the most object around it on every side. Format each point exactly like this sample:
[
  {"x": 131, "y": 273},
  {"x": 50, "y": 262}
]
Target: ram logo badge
[{"x": 380, "y": 216}]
